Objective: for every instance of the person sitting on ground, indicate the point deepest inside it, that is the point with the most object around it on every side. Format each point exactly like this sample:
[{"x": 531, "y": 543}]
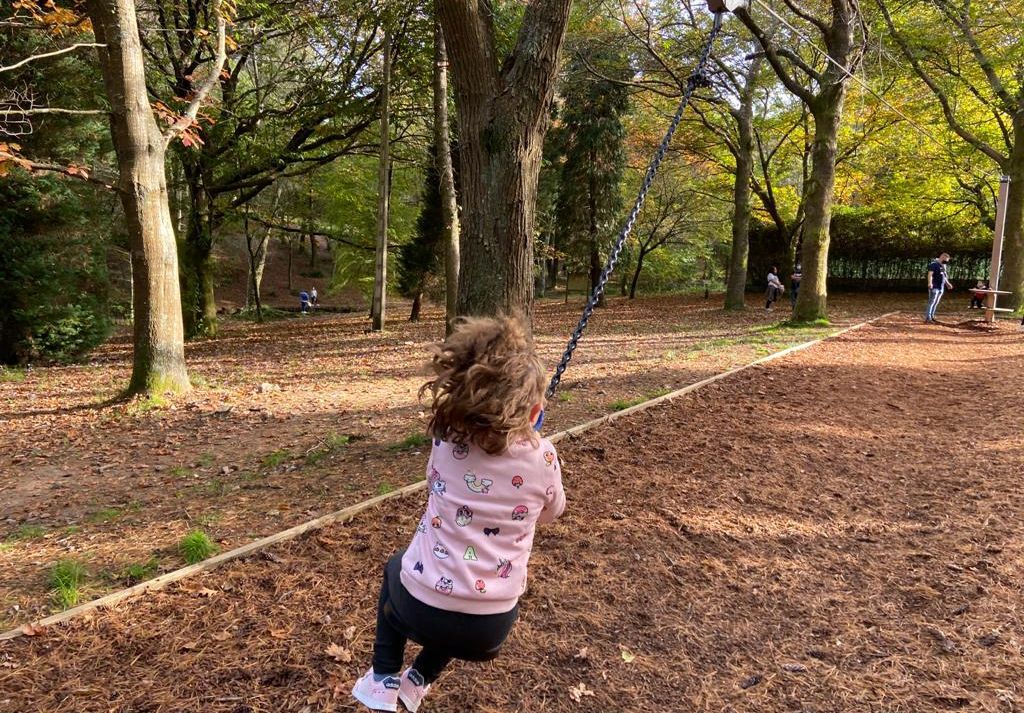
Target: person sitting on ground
[
  {"x": 794, "y": 284},
  {"x": 314, "y": 299},
  {"x": 978, "y": 296},
  {"x": 455, "y": 589},
  {"x": 775, "y": 288},
  {"x": 937, "y": 284},
  {"x": 304, "y": 302}
]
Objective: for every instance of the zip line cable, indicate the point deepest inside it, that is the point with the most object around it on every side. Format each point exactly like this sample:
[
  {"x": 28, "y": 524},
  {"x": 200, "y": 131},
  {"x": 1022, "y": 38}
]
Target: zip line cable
[
  {"x": 921, "y": 130},
  {"x": 697, "y": 79}
]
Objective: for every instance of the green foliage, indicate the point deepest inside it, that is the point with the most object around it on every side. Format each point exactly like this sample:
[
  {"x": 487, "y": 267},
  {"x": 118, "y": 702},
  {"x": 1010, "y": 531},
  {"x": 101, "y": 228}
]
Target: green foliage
[
  {"x": 276, "y": 458},
  {"x": 421, "y": 259},
  {"x": 53, "y": 276},
  {"x": 329, "y": 445},
  {"x": 139, "y": 572},
  {"x": 66, "y": 578},
  {"x": 413, "y": 440},
  {"x": 11, "y": 375},
  {"x": 384, "y": 488},
  {"x": 27, "y": 531},
  {"x": 196, "y": 546},
  {"x": 591, "y": 137}
]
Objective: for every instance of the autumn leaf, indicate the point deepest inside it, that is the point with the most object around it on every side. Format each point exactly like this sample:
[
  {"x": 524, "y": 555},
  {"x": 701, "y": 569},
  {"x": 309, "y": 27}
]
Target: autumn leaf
[
  {"x": 627, "y": 655},
  {"x": 350, "y": 633},
  {"x": 339, "y": 653}
]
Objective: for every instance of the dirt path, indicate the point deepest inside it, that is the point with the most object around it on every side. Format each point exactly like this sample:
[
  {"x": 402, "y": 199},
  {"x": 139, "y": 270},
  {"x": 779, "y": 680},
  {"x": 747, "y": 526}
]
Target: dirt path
[
  {"x": 836, "y": 531},
  {"x": 115, "y": 486}
]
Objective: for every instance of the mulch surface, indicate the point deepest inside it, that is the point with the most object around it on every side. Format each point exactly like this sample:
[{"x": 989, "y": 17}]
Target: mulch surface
[
  {"x": 259, "y": 445},
  {"x": 840, "y": 530}
]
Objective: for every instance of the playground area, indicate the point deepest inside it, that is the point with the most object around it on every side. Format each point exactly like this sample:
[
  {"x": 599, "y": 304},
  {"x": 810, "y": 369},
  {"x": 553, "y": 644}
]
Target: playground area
[{"x": 837, "y": 530}]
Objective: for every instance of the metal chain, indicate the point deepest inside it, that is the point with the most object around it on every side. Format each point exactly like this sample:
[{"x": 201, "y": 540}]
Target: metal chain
[{"x": 697, "y": 79}]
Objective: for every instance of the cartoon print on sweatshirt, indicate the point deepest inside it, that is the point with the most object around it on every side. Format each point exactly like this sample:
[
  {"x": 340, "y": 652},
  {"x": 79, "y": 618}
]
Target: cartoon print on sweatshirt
[
  {"x": 437, "y": 486},
  {"x": 488, "y": 531},
  {"x": 481, "y": 586},
  {"x": 445, "y": 585},
  {"x": 549, "y": 457},
  {"x": 463, "y": 516},
  {"x": 519, "y": 512},
  {"x": 470, "y": 555},
  {"x": 418, "y": 567},
  {"x": 504, "y": 568},
  {"x": 435, "y": 522},
  {"x": 478, "y": 485},
  {"x": 421, "y": 527},
  {"x": 517, "y": 481},
  {"x": 440, "y": 551},
  {"x": 460, "y": 452}
]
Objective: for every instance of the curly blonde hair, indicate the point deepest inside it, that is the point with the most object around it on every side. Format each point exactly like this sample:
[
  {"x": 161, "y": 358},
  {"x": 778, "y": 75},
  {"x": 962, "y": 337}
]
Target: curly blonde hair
[{"x": 487, "y": 380}]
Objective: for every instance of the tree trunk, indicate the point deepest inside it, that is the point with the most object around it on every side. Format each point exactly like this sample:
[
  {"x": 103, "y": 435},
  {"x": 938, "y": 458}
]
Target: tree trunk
[
  {"x": 446, "y": 173},
  {"x": 736, "y": 281},
  {"x": 199, "y": 303},
  {"x": 417, "y": 303},
  {"x": 290, "y": 265},
  {"x": 159, "y": 354},
  {"x": 380, "y": 278},
  {"x": 1013, "y": 238},
  {"x": 736, "y": 287},
  {"x": 503, "y": 116},
  {"x": 636, "y": 274},
  {"x": 811, "y": 303}
]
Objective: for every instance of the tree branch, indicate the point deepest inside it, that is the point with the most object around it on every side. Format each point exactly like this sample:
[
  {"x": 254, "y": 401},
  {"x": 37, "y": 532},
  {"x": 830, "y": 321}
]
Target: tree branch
[
  {"x": 188, "y": 118},
  {"x": 45, "y": 55}
]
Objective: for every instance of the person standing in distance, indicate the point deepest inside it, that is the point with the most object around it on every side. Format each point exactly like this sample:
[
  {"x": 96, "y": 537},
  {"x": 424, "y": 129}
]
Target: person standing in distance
[{"x": 938, "y": 281}]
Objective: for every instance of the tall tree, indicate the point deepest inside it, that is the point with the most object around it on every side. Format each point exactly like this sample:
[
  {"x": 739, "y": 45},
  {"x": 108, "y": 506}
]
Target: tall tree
[
  {"x": 592, "y": 134},
  {"x": 380, "y": 276},
  {"x": 446, "y": 177},
  {"x": 968, "y": 54},
  {"x": 140, "y": 148},
  {"x": 502, "y": 107},
  {"x": 822, "y": 86}
]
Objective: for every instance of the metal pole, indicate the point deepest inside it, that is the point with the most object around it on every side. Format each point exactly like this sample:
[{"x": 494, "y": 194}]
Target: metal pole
[{"x": 997, "y": 249}]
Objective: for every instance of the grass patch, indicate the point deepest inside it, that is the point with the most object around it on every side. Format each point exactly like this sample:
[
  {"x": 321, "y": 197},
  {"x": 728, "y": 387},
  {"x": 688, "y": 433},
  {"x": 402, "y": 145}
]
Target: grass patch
[
  {"x": 413, "y": 440},
  {"x": 623, "y": 404},
  {"x": 27, "y": 532},
  {"x": 105, "y": 515},
  {"x": 66, "y": 578},
  {"x": 565, "y": 398},
  {"x": 12, "y": 375},
  {"x": 181, "y": 471},
  {"x": 209, "y": 518},
  {"x": 72, "y": 529},
  {"x": 139, "y": 572},
  {"x": 384, "y": 488},
  {"x": 145, "y": 404},
  {"x": 276, "y": 458},
  {"x": 331, "y": 443},
  {"x": 196, "y": 546},
  {"x": 206, "y": 460}
]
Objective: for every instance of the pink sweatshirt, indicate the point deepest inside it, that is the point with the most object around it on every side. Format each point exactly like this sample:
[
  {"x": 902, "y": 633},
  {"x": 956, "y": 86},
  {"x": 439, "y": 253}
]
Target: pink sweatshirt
[{"x": 471, "y": 548}]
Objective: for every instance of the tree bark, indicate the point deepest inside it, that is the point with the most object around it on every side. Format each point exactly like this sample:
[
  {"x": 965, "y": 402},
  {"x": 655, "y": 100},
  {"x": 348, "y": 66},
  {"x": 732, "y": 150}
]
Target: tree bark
[
  {"x": 199, "y": 299},
  {"x": 1013, "y": 239},
  {"x": 503, "y": 115},
  {"x": 736, "y": 284},
  {"x": 159, "y": 355},
  {"x": 636, "y": 274},
  {"x": 812, "y": 301},
  {"x": 417, "y": 303},
  {"x": 380, "y": 279},
  {"x": 446, "y": 174}
]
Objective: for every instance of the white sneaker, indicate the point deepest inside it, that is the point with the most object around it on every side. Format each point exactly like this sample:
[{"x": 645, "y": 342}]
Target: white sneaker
[
  {"x": 413, "y": 690},
  {"x": 377, "y": 695}
]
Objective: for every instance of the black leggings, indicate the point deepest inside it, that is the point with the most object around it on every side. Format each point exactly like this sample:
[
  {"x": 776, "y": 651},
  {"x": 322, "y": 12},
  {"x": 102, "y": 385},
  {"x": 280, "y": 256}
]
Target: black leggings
[{"x": 444, "y": 635}]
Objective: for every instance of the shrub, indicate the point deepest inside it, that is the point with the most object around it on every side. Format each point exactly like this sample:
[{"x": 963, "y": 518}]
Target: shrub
[
  {"x": 66, "y": 578},
  {"x": 196, "y": 546}
]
